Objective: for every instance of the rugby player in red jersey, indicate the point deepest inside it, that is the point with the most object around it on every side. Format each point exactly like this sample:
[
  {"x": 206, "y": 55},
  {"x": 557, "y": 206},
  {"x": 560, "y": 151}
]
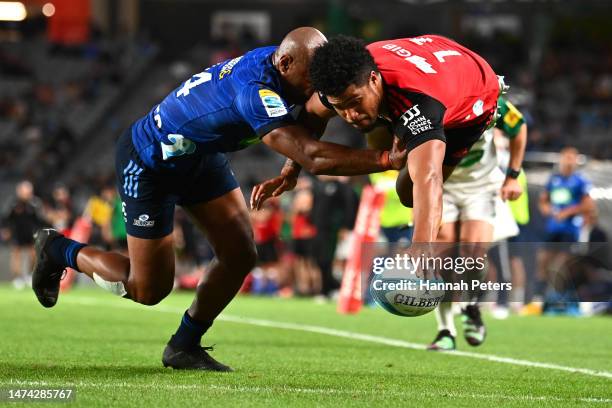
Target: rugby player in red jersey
[{"x": 434, "y": 95}]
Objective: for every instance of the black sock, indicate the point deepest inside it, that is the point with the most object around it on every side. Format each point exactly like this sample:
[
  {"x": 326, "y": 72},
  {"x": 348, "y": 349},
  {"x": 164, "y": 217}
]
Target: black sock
[
  {"x": 189, "y": 333},
  {"x": 63, "y": 251}
]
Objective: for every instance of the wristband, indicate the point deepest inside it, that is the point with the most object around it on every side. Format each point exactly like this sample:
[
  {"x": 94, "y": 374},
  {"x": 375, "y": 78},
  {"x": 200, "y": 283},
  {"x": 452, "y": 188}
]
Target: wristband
[
  {"x": 513, "y": 173},
  {"x": 385, "y": 161}
]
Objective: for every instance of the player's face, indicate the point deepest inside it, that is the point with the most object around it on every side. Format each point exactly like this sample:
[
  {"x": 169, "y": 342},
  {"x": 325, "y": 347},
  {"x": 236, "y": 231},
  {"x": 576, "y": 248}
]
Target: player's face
[
  {"x": 568, "y": 161},
  {"x": 295, "y": 73},
  {"x": 359, "y": 105}
]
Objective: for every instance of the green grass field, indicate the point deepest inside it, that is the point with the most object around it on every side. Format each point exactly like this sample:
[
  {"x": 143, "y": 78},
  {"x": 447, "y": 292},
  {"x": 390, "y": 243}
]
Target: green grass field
[{"x": 296, "y": 353}]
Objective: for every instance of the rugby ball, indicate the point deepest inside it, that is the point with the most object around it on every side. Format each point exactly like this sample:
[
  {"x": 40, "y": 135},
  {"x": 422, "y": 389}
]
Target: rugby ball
[{"x": 405, "y": 294}]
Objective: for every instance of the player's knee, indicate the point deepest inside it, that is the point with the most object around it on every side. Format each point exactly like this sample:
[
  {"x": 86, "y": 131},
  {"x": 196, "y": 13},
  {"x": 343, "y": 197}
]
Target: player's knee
[
  {"x": 151, "y": 296},
  {"x": 248, "y": 259},
  {"x": 240, "y": 259},
  {"x": 403, "y": 186},
  {"x": 151, "y": 293},
  {"x": 406, "y": 200}
]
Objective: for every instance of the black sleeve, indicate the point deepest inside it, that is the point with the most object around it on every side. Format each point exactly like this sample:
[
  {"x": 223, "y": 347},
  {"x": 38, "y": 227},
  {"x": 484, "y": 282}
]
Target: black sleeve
[{"x": 421, "y": 122}]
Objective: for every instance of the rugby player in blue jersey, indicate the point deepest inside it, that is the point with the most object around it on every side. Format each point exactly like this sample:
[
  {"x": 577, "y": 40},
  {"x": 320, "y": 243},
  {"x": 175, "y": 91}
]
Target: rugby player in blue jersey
[{"x": 175, "y": 155}]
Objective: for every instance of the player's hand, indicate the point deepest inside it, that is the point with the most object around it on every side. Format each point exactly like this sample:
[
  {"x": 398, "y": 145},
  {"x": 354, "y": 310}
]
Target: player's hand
[
  {"x": 511, "y": 189},
  {"x": 424, "y": 251},
  {"x": 398, "y": 154},
  {"x": 561, "y": 215},
  {"x": 271, "y": 188}
]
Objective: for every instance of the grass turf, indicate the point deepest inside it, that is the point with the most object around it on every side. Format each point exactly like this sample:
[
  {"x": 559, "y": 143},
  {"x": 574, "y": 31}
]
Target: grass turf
[{"x": 109, "y": 349}]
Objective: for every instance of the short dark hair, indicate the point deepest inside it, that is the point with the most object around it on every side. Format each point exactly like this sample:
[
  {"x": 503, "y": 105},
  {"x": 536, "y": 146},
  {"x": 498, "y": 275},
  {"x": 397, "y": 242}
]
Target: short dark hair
[{"x": 339, "y": 63}]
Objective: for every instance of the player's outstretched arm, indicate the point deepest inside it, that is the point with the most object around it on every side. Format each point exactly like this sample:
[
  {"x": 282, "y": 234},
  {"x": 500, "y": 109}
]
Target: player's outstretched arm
[
  {"x": 425, "y": 169},
  {"x": 314, "y": 117},
  {"x": 319, "y": 157}
]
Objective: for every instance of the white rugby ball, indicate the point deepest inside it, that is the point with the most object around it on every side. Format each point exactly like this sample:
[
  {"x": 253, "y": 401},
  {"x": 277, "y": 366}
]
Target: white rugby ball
[{"x": 405, "y": 294}]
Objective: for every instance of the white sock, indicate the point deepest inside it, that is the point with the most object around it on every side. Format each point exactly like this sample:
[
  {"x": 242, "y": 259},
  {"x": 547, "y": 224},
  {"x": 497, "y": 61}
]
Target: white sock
[
  {"x": 116, "y": 288},
  {"x": 445, "y": 318},
  {"x": 517, "y": 295}
]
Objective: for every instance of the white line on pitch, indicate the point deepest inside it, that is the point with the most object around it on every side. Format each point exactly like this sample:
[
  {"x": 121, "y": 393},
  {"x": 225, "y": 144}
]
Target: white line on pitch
[
  {"x": 353, "y": 336},
  {"x": 301, "y": 390}
]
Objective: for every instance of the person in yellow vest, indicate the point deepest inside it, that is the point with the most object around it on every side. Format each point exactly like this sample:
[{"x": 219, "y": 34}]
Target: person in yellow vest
[
  {"x": 520, "y": 211},
  {"x": 395, "y": 219}
]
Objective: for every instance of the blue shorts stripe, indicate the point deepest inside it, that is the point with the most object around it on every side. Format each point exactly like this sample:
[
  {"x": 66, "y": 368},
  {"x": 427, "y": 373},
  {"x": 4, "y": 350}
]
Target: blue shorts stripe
[
  {"x": 135, "y": 192},
  {"x": 127, "y": 169}
]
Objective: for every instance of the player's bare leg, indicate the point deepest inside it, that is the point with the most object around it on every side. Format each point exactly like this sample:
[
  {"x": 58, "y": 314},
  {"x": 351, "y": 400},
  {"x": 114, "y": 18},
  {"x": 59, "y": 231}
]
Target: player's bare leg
[
  {"x": 225, "y": 221},
  {"x": 146, "y": 276},
  {"x": 477, "y": 234},
  {"x": 445, "y": 339}
]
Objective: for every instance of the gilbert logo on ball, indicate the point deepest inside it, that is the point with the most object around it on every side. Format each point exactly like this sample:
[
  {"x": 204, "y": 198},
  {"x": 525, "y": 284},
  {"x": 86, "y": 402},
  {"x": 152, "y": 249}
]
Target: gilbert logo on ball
[{"x": 396, "y": 287}]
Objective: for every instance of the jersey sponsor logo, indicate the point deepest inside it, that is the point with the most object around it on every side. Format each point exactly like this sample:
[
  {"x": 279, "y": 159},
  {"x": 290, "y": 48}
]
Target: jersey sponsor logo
[
  {"x": 178, "y": 146},
  {"x": 420, "y": 62},
  {"x": 227, "y": 68},
  {"x": 410, "y": 114},
  {"x": 273, "y": 103},
  {"x": 478, "y": 107},
  {"x": 561, "y": 196},
  {"x": 513, "y": 116},
  {"x": 143, "y": 221},
  {"x": 415, "y": 122}
]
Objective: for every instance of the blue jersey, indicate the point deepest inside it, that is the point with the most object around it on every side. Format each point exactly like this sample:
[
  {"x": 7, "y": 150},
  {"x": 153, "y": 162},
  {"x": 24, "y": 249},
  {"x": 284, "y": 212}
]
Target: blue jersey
[
  {"x": 227, "y": 107},
  {"x": 566, "y": 192}
]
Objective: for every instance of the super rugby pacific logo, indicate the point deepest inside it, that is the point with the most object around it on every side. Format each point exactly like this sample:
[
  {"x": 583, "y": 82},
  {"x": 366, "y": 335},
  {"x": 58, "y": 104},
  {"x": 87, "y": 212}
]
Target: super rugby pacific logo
[{"x": 272, "y": 102}]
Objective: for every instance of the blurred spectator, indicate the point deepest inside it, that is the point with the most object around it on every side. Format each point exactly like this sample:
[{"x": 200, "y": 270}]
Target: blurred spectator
[
  {"x": 20, "y": 224},
  {"x": 99, "y": 210},
  {"x": 565, "y": 198},
  {"x": 306, "y": 272},
  {"x": 59, "y": 211},
  {"x": 334, "y": 210},
  {"x": 267, "y": 224},
  {"x": 114, "y": 230}
]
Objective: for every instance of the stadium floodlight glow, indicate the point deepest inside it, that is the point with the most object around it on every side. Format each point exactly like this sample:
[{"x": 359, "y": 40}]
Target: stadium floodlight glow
[
  {"x": 12, "y": 11},
  {"x": 48, "y": 9}
]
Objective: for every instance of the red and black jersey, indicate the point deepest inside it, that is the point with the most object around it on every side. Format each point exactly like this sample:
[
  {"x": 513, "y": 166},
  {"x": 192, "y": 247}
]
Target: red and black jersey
[{"x": 433, "y": 84}]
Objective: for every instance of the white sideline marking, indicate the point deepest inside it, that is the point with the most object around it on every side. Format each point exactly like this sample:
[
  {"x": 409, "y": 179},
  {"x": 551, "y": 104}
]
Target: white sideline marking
[
  {"x": 354, "y": 336},
  {"x": 299, "y": 390}
]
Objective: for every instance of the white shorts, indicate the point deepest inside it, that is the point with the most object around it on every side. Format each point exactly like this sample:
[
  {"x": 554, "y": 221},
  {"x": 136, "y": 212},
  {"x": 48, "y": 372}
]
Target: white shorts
[
  {"x": 485, "y": 205},
  {"x": 473, "y": 206}
]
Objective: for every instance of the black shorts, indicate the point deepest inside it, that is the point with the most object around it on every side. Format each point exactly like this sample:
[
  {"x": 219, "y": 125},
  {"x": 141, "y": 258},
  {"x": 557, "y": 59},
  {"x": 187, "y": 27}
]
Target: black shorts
[
  {"x": 560, "y": 236},
  {"x": 460, "y": 140},
  {"x": 266, "y": 252},
  {"x": 302, "y": 247},
  {"x": 148, "y": 196}
]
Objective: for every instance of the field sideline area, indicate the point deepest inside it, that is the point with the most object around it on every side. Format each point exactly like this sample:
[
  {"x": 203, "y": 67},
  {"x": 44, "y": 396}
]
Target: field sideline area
[{"x": 297, "y": 353}]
